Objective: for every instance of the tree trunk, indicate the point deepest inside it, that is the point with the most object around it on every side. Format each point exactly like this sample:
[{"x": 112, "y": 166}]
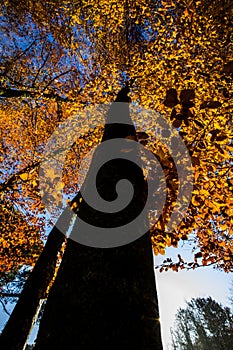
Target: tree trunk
[
  {"x": 105, "y": 298},
  {"x": 16, "y": 331}
]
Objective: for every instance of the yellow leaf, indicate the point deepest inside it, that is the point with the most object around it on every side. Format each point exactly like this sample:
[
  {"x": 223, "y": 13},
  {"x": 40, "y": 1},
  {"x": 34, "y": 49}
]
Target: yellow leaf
[
  {"x": 24, "y": 176},
  {"x": 194, "y": 201}
]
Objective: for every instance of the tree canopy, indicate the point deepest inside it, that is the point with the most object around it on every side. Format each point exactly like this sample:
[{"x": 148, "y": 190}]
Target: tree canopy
[
  {"x": 204, "y": 324},
  {"x": 59, "y": 57}
]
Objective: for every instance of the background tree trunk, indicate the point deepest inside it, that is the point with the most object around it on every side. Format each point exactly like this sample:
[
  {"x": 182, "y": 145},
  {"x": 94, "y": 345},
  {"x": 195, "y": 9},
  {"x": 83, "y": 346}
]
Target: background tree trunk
[{"x": 15, "y": 333}]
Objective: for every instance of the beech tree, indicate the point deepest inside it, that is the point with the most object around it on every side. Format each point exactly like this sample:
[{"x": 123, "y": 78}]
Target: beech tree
[
  {"x": 105, "y": 290},
  {"x": 179, "y": 59},
  {"x": 57, "y": 59}
]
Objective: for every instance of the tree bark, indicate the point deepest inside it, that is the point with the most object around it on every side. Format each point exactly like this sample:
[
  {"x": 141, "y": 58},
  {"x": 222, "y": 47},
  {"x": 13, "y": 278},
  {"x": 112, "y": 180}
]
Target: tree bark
[
  {"x": 105, "y": 298},
  {"x": 18, "y": 326},
  {"x": 16, "y": 331}
]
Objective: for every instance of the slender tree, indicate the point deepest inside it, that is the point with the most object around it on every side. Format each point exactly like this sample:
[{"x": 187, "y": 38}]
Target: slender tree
[{"x": 16, "y": 331}]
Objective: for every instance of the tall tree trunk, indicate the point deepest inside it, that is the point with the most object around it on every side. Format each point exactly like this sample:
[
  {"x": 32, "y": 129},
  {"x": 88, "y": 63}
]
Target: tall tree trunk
[{"x": 106, "y": 298}]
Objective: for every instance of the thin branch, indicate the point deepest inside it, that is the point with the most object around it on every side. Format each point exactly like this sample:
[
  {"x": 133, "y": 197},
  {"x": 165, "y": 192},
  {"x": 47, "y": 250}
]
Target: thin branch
[
  {"x": 4, "y": 308},
  {"x": 57, "y": 76},
  {"x": 9, "y": 65},
  {"x": 10, "y": 295},
  {"x": 41, "y": 67},
  {"x": 11, "y": 93}
]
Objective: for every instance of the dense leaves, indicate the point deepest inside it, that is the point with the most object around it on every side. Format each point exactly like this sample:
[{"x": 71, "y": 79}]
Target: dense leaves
[
  {"x": 57, "y": 58},
  {"x": 20, "y": 242}
]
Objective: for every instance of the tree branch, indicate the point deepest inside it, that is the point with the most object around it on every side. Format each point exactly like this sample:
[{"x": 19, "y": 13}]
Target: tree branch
[
  {"x": 57, "y": 76},
  {"x": 9, "y": 295},
  {"x": 11, "y": 93},
  {"x": 4, "y": 308}
]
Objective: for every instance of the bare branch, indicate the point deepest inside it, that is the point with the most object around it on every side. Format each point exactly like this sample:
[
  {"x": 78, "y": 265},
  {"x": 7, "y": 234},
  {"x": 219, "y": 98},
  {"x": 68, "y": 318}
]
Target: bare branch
[{"x": 4, "y": 308}]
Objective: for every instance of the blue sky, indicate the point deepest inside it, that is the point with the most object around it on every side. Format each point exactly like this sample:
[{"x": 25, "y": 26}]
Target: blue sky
[{"x": 174, "y": 288}]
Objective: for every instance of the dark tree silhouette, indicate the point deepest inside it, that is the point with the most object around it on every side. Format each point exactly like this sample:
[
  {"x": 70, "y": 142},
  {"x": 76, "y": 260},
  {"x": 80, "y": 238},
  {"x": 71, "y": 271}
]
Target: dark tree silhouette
[
  {"x": 106, "y": 298},
  {"x": 203, "y": 324}
]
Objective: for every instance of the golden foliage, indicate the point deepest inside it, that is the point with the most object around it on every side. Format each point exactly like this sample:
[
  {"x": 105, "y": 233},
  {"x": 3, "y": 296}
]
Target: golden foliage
[
  {"x": 20, "y": 242},
  {"x": 59, "y": 57}
]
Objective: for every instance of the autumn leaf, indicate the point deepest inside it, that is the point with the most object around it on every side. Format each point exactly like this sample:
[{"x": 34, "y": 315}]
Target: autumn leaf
[
  {"x": 171, "y": 99},
  {"x": 210, "y": 104},
  {"x": 187, "y": 94}
]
